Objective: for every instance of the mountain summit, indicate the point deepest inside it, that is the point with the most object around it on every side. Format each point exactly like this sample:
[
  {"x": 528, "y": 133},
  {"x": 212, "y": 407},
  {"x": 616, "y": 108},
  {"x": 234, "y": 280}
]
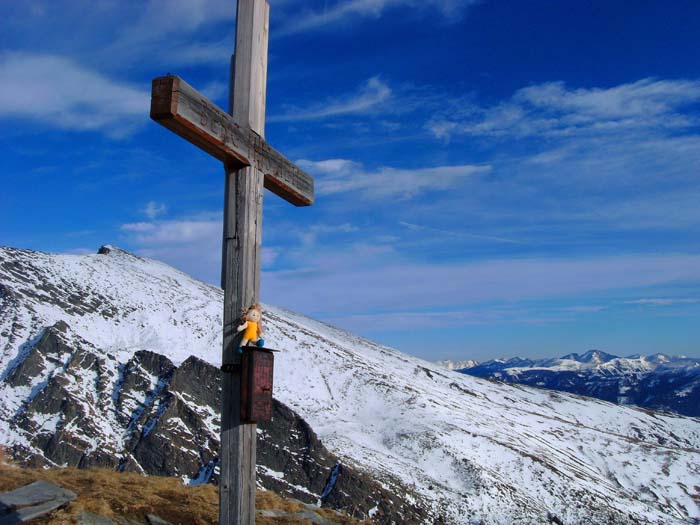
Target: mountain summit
[{"x": 467, "y": 450}]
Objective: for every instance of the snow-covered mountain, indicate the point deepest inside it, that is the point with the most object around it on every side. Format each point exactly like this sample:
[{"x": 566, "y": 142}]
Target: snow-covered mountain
[
  {"x": 658, "y": 382},
  {"x": 466, "y": 449},
  {"x": 457, "y": 365}
]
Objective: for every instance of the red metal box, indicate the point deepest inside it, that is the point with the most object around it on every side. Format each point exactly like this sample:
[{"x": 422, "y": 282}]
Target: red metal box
[{"x": 257, "y": 366}]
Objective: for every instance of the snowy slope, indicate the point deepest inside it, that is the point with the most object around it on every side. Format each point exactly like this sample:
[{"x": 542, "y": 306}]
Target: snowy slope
[{"x": 478, "y": 451}]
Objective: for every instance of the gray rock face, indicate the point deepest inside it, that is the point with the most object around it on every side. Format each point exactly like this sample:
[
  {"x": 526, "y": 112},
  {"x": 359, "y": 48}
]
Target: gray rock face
[
  {"x": 32, "y": 501},
  {"x": 149, "y": 416}
]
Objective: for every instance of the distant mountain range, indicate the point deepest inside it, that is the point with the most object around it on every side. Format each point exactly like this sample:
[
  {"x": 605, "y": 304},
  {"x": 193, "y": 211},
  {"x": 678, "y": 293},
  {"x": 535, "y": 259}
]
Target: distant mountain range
[{"x": 657, "y": 382}]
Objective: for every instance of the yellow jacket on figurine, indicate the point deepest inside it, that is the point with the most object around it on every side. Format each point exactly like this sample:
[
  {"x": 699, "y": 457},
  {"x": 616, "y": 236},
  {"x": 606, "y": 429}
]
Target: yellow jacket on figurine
[
  {"x": 253, "y": 327},
  {"x": 252, "y": 331}
]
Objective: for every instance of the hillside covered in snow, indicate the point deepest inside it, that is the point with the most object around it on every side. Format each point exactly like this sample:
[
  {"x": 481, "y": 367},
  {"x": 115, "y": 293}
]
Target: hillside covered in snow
[{"x": 466, "y": 449}]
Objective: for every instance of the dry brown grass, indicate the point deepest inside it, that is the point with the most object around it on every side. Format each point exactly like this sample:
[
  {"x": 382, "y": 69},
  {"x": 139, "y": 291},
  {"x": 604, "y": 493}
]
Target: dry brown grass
[
  {"x": 112, "y": 494},
  {"x": 109, "y": 493}
]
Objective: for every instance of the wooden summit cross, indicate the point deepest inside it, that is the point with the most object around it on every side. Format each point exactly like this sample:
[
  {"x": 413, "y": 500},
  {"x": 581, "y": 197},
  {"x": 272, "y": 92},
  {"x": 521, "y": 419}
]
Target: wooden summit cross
[{"x": 237, "y": 139}]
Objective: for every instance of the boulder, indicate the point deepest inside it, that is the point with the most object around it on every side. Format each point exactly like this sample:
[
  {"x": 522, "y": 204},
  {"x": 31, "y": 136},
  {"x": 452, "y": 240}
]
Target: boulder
[{"x": 32, "y": 501}]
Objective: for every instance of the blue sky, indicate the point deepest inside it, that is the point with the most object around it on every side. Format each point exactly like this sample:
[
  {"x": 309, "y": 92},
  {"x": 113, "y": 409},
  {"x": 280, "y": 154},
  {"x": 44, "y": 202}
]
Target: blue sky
[{"x": 492, "y": 178}]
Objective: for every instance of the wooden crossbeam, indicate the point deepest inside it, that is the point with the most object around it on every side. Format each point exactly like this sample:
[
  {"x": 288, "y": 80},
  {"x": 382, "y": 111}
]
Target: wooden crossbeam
[{"x": 182, "y": 109}]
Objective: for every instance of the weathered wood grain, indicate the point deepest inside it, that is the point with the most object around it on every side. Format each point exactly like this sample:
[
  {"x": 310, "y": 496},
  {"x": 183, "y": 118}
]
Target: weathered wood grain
[
  {"x": 240, "y": 276},
  {"x": 182, "y": 109},
  {"x": 251, "y": 164}
]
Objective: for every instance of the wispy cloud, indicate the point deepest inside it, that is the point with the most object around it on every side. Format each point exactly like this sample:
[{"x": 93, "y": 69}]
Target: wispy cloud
[
  {"x": 154, "y": 209},
  {"x": 175, "y": 232},
  {"x": 430, "y": 319},
  {"x": 553, "y": 109},
  {"x": 163, "y": 17},
  {"x": 181, "y": 22},
  {"x": 197, "y": 53},
  {"x": 372, "y": 93},
  {"x": 584, "y": 308},
  {"x": 336, "y": 176},
  {"x": 57, "y": 92},
  {"x": 344, "y": 11},
  {"x": 664, "y": 301},
  {"x": 425, "y": 321},
  {"x": 215, "y": 90},
  {"x": 350, "y": 279},
  {"x": 457, "y": 234},
  {"x": 192, "y": 244},
  {"x": 585, "y": 162},
  {"x": 310, "y": 234}
]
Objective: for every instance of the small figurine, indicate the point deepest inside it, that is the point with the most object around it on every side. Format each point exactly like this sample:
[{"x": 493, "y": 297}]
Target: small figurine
[{"x": 252, "y": 324}]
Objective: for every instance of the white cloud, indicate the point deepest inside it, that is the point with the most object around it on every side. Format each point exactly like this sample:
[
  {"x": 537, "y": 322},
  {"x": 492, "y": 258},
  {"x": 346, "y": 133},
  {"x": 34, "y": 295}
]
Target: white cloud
[
  {"x": 176, "y": 19},
  {"x": 664, "y": 301},
  {"x": 335, "y": 176},
  {"x": 442, "y": 129},
  {"x": 154, "y": 209},
  {"x": 456, "y": 234},
  {"x": 138, "y": 227},
  {"x": 478, "y": 315},
  {"x": 635, "y": 182},
  {"x": 174, "y": 233},
  {"x": 368, "y": 97},
  {"x": 269, "y": 257},
  {"x": 188, "y": 53},
  {"x": 354, "y": 279},
  {"x": 584, "y": 308},
  {"x": 215, "y": 90},
  {"x": 553, "y": 109},
  {"x": 348, "y": 10},
  {"x": 309, "y": 234},
  {"x": 426, "y": 320},
  {"x": 647, "y": 97},
  {"x": 55, "y": 91},
  {"x": 147, "y": 35},
  {"x": 191, "y": 244}
]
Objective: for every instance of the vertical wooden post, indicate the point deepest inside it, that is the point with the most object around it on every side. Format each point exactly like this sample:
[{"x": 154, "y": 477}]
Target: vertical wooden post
[{"x": 240, "y": 276}]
